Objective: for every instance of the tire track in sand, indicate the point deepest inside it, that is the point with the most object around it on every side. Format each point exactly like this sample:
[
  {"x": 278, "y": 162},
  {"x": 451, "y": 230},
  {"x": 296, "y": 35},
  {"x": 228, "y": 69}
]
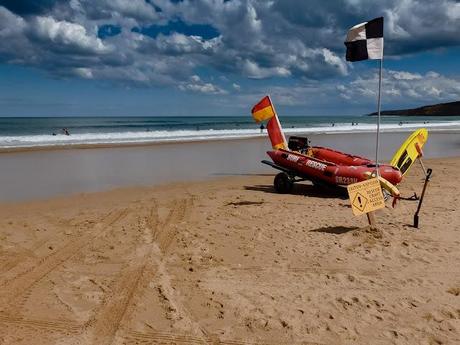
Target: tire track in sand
[
  {"x": 167, "y": 231},
  {"x": 62, "y": 326},
  {"x": 138, "y": 338},
  {"x": 103, "y": 326},
  {"x": 117, "y": 304},
  {"x": 106, "y": 325},
  {"x": 29, "y": 254},
  {"x": 11, "y": 290}
]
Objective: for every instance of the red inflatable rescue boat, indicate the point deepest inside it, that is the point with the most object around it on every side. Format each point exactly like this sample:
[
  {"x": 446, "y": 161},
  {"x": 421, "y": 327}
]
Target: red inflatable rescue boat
[
  {"x": 323, "y": 166},
  {"x": 299, "y": 161}
]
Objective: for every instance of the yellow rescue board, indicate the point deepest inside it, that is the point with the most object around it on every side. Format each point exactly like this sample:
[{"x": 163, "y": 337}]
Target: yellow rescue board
[
  {"x": 385, "y": 184},
  {"x": 410, "y": 150}
]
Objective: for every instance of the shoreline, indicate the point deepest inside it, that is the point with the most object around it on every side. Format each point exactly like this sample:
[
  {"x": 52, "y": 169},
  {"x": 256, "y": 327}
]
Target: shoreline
[
  {"x": 35, "y": 174},
  {"x": 211, "y": 139},
  {"x": 59, "y": 147},
  {"x": 119, "y": 145}
]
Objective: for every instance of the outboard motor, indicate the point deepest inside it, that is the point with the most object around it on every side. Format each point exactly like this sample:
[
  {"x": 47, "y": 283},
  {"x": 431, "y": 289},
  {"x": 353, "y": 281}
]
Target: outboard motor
[{"x": 299, "y": 144}]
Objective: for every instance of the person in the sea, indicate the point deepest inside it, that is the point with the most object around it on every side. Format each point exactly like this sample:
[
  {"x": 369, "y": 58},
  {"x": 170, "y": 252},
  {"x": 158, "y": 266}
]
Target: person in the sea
[
  {"x": 262, "y": 127},
  {"x": 66, "y": 131}
]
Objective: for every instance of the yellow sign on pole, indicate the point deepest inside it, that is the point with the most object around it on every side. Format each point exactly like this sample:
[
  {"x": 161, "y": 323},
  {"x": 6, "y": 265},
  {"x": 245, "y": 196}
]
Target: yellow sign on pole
[{"x": 365, "y": 196}]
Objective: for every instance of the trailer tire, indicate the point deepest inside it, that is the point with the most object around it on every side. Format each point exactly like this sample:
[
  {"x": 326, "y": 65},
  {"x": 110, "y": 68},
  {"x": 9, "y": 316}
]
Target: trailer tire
[{"x": 283, "y": 183}]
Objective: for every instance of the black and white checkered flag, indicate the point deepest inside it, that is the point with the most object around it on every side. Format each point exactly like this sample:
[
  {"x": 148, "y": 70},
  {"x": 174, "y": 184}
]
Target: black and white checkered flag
[{"x": 365, "y": 41}]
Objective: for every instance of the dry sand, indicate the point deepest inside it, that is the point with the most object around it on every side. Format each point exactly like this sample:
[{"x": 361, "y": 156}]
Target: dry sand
[{"x": 229, "y": 261}]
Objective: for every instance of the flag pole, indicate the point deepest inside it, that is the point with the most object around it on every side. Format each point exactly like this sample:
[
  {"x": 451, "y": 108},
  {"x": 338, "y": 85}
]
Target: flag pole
[{"x": 378, "y": 118}]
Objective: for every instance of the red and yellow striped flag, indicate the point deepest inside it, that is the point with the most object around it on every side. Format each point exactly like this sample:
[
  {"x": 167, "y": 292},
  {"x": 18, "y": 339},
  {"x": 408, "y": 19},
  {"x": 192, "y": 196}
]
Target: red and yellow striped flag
[
  {"x": 276, "y": 134},
  {"x": 263, "y": 110}
]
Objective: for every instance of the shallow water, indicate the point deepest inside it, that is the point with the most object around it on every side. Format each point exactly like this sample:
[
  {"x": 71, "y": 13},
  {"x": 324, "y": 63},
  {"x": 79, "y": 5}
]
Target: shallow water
[{"x": 45, "y": 173}]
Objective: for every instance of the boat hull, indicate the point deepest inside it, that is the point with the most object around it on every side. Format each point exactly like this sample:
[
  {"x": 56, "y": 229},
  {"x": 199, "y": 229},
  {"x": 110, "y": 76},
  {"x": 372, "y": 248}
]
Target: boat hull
[{"x": 330, "y": 172}]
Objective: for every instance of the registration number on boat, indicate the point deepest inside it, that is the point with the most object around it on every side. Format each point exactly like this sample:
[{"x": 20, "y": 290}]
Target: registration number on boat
[{"x": 345, "y": 180}]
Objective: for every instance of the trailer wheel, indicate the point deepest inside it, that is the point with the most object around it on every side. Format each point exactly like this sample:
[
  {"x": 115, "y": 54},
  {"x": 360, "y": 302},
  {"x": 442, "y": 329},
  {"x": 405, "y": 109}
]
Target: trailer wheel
[{"x": 282, "y": 183}]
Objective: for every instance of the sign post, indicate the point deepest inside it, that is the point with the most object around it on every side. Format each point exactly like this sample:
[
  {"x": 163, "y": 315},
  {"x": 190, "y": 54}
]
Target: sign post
[{"x": 365, "y": 198}]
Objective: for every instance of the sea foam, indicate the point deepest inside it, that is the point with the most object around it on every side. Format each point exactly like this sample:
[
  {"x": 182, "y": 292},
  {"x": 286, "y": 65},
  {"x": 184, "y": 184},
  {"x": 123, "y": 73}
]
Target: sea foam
[{"x": 161, "y": 136}]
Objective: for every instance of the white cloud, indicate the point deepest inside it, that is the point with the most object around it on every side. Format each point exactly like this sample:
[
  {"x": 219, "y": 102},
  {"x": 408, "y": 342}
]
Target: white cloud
[
  {"x": 403, "y": 87},
  {"x": 10, "y": 24},
  {"x": 195, "y": 78},
  {"x": 454, "y": 11},
  {"x": 433, "y": 74},
  {"x": 299, "y": 41},
  {"x": 359, "y": 93},
  {"x": 15, "y": 47},
  {"x": 83, "y": 72},
  {"x": 126, "y": 11},
  {"x": 252, "y": 70},
  {"x": 132, "y": 8},
  {"x": 177, "y": 43},
  {"x": 331, "y": 59},
  {"x": 67, "y": 34},
  {"x": 418, "y": 25},
  {"x": 401, "y": 75},
  {"x": 195, "y": 84}
]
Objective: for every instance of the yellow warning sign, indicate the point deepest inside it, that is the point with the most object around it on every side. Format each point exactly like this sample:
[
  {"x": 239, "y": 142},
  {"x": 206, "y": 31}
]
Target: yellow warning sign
[{"x": 365, "y": 196}]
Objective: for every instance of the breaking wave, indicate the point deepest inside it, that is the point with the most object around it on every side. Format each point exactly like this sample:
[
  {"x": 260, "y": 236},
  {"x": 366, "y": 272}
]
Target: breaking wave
[{"x": 162, "y": 136}]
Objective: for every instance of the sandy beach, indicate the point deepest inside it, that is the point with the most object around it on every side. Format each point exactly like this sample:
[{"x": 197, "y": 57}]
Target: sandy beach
[
  {"x": 228, "y": 261},
  {"x": 141, "y": 142}
]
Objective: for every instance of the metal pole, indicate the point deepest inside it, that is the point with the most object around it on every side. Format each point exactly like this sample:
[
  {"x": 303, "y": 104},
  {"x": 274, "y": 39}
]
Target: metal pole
[
  {"x": 423, "y": 165},
  {"x": 378, "y": 118},
  {"x": 427, "y": 179}
]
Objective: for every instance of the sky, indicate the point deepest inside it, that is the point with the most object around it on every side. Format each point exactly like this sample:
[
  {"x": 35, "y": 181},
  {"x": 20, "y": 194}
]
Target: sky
[{"x": 219, "y": 57}]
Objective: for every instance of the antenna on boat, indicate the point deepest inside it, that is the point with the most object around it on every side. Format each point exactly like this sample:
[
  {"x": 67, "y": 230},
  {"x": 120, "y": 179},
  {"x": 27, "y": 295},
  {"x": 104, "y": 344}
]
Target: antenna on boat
[{"x": 365, "y": 42}]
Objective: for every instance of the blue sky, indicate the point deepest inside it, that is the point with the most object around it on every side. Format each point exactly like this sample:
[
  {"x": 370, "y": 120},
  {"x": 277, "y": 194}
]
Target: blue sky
[{"x": 216, "y": 57}]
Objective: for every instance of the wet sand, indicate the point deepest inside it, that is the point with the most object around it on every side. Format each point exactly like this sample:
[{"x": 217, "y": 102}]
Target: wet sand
[
  {"x": 50, "y": 172},
  {"x": 228, "y": 261}
]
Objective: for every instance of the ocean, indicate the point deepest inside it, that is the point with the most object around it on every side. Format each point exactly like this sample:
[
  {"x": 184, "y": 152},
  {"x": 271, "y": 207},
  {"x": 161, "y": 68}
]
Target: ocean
[{"x": 22, "y": 132}]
